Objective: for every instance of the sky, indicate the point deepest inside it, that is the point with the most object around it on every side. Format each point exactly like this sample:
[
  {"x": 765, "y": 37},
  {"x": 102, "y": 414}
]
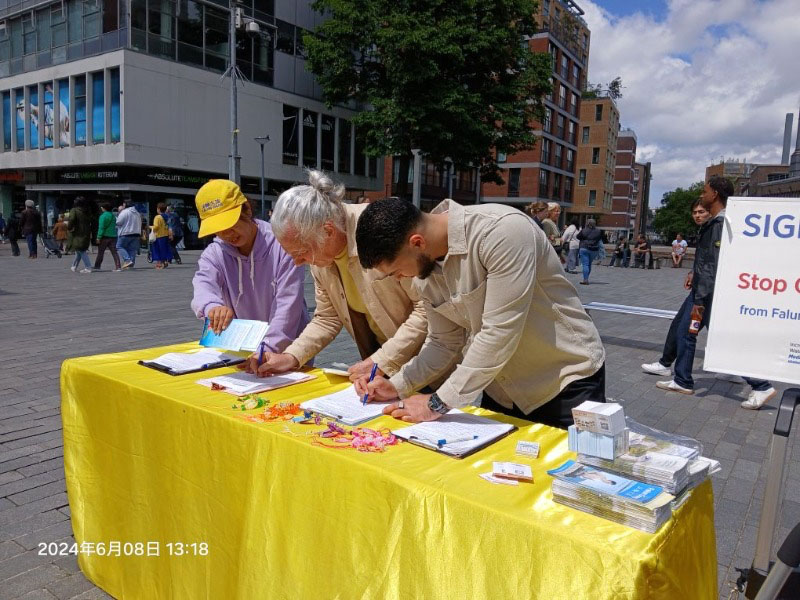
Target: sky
[{"x": 702, "y": 79}]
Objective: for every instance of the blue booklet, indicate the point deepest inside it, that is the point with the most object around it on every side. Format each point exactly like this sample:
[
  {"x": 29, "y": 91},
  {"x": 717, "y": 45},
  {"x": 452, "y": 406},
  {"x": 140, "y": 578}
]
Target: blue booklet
[
  {"x": 241, "y": 334},
  {"x": 606, "y": 483}
]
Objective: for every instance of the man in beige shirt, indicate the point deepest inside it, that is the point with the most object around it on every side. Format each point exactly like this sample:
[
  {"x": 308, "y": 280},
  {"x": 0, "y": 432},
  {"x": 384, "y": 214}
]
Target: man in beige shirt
[
  {"x": 384, "y": 316},
  {"x": 486, "y": 273}
]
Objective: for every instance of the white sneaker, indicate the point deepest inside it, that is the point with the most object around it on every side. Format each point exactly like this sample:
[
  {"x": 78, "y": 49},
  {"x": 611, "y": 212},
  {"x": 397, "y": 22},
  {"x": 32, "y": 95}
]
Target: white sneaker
[
  {"x": 117, "y": 271},
  {"x": 656, "y": 368},
  {"x": 86, "y": 270},
  {"x": 757, "y": 399},
  {"x": 127, "y": 265},
  {"x": 671, "y": 386},
  {"x": 73, "y": 268}
]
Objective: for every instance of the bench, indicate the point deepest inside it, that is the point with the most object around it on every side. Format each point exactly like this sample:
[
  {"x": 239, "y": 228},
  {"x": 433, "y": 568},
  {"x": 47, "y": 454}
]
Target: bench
[{"x": 641, "y": 311}]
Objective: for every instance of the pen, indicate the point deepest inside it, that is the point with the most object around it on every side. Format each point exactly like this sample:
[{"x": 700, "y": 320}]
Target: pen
[
  {"x": 371, "y": 377},
  {"x": 261, "y": 354},
  {"x": 220, "y": 363},
  {"x": 441, "y": 443}
]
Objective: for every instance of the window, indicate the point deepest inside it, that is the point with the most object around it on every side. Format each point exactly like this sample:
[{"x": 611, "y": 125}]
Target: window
[
  {"x": 33, "y": 130},
  {"x": 190, "y": 32},
  {"x": 548, "y": 120},
  {"x": 19, "y": 109},
  {"x": 570, "y": 160},
  {"x": 328, "y": 125},
  {"x": 63, "y": 113},
  {"x": 513, "y": 183},
  {"x": 502, "y": 157},
  {"x": 345, "y": 145},
  {"x": 592, "y": 197},
  {"x": 115, "y": 111},
  {"x": 562, "y": 96},
  {"x": 564, "y": 67},
  {"x": 568, "y": 189},
  {"x": 48, "y": 115},
  {"x": 576, "y": 75},
  {"x": 545, "y": 7},
  {"x": 110, "y": 15},
  {"x": 216, "y": 28},
  {"x": 372, "y": 164},
  {"x": 91, "y": 19},
  {"x": 58, "y": 25},
  {"x": 556, "y": 186},
  {"x": 573, "y": 105},
  {"x": 560, "y": 126},
  {"x": 543, "y": 176},
  {"x": 290, "y": 144},
  {"x": 582, "y": 177},
  {"x": 285, "y": 37},
  {"x": 585, "y": 42},
  {"x": 595, "y": 156},
  {"x": 585, "y": 138},
  {"x": 309, "y": 139},
  {"x": 43, "y": 29},
  {"x": 98, "y": 109},
  {"x": 359, "y": 160},
  {"x": 571, "y": 136},
  {"x": 558, "y": 155},
  {"x": 75, "y": 21},
  {"x": 546, "y": 151},
  {"x": 6, "y": 121},
  {"x": 263, "y": 59},
  {"x": 28, "y": 35},
  {"x": 598, "y": 112}
]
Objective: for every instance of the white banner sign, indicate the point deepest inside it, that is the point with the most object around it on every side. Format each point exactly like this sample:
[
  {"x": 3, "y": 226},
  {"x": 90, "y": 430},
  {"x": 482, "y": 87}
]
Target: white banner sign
[{"x": 755, "y": 315}]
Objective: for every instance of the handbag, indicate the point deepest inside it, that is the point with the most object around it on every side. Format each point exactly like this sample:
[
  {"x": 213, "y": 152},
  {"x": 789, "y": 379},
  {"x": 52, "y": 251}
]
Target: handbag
[{"x": 152, "y": 237}]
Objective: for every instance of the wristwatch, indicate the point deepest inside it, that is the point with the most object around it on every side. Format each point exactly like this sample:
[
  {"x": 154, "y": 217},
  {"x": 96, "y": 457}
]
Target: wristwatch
[{"x": 436, "y": 405}]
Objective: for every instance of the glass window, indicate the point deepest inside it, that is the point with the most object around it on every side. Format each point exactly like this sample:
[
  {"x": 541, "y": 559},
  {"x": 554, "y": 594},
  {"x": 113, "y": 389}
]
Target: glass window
[
  {"x": 75, "y": 20},
  {"x": 80, "y": 110},
  {"x": 91, "y": 19},
  {"x": 543, "y": 177},
  {"x": 161, "y": 27},
  {"x": 290, "y": 143},
  {"x": 139, "y": 14},
  {"x": 513, "y": 183},
  {"x": 359, "y": 166},
  {"x": 558, "y": 155},
  {"x": 592, "y": 197},
  {"x": 546, "y": 151},
  {"x": 110, "y": 15},
  {"x": 598, "y": 112},
  {"x": 571, "y": 136},
  {"x": 560, "y": 126},
  {"x": 372, "y": 163},
  {"x": 58, "y": 25},
  {"x": 568, "y": 189},
  {"x": 16, "y": 38},
  {"x": 564, "y": 67},
  {"x": 98, "y": 109},
  {"x": 263, "y": 59},
  {"x": 266, "y": 7},
  {"x": 548, "y": 119},
  {"x": 328, "y": 125},
  {"x": 19, "y": 109},
  {"x": 570, "y": 159},
  {"x": 115, "y": 111},
  {"x": 63, "y": 112},
  {"x": 33, "y": 130},
  {"x": 216, "y": 38},
  {"x": 190, "y": 32},
  {"x": 556, "y": 186},
  {"x": 6, "y": 120},
  {"x": 573, "y": 107},
  {"x": 48, "y": 115},
  {"x": 562, "y": 96},
  {"x": 582, "y": 177},
  {"x": 576, "y": 76},
  {"x": 309, "y": 139},
  {"x": 585, "y": 138},
  {"x": 345, "y": 143},
  {"x": 595, "y": 156},
  {"x": 285, "y": 37},
  {"x": 43, "y": 29},
  {"x": 28, "y": 33}
]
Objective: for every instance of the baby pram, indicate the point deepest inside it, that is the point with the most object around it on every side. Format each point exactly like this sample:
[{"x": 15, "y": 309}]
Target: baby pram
[{"x": 51, "y": 247}]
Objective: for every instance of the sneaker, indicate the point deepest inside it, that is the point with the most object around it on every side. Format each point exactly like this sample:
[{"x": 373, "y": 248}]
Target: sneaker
[
  {"x": 127, "y": 265},
  {"x": 657, "y": 368},
  {"x": 757, "y": 399},
  {"x": 73, "y": 268},
  {"x": 86, "y": 270},
  {"x": 116, "y": 270},
  {"x": 671, "y": 386}
]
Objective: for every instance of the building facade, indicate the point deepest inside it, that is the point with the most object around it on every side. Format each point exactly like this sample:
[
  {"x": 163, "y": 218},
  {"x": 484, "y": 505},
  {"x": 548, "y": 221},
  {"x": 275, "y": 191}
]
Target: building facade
[
  {"x": 123, "y": 102},
  {"x": 640, "y": 205},
  {"x": 548, "y": 171},
  {"x": 597, "y": 155},
  {"x": 621, "y": 219}
]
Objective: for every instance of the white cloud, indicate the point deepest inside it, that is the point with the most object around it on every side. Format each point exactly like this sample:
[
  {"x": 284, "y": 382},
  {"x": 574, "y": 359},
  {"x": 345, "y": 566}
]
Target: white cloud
[{"x": 713, "y": 78}]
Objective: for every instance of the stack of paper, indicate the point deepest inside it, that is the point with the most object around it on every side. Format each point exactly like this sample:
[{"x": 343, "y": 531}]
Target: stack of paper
[
  {"x": 597, "y": 444},
  {"x": 608, "y": 495},
  {"x": 178, "y": 363},
  {"x": 241, "y": 334},
  {"x": 345, "y": 406},
  {"x": 599, "y": 417},
  {"x": 457, "y": 433},
  {"x": 241, "y": 384},
  {"x": 652, "y": 460}
]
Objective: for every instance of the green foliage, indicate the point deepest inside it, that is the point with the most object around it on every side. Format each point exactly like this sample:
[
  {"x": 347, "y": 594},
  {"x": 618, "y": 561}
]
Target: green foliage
[
  {"x": 675, "y": 214},
  {"x": 453, "y": 78}
]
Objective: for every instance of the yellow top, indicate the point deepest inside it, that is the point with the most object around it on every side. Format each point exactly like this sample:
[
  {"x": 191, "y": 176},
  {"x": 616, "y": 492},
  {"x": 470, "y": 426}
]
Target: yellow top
[
  {"x": 354, "y": 299},
  {"x": 160, "y": 227}
]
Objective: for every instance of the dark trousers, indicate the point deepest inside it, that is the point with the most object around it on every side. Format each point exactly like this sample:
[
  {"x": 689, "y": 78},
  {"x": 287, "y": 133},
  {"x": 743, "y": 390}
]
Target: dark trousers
[
  {"x": 558, "y": 411},
  {"x": 14, "y": 247},
  {"x": 176, "y": 239},
  {"x": 32, "y": 248},
  {"x": 671, "y": 343},
  {"x": 102, "y": 244}
]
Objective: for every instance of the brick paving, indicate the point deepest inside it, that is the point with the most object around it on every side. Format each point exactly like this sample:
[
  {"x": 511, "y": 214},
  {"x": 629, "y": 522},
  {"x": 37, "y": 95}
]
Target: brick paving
[{"x": 48, "y": 314}]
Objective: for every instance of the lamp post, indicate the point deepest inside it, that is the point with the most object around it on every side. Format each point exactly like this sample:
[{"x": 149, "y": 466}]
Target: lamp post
[{"x": 261, "y": 141}]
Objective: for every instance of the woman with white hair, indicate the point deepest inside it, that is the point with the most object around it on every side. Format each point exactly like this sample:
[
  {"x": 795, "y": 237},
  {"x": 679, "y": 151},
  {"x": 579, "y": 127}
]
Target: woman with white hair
[
  {"x": 550, "y": 227},
  {"x": 384, "y": 315}
]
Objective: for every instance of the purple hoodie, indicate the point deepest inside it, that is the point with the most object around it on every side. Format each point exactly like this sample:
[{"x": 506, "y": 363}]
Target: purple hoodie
[{"x": 265, "y": 286}]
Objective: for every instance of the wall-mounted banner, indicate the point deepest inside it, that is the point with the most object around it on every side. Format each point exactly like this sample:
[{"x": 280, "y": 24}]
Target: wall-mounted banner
[{"x": 755, "y": 317}]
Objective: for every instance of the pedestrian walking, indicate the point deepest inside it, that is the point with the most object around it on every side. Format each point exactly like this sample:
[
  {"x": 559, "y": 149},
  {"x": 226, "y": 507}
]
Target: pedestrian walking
[
  {"x": 590, "y": 240},
  {"x": 31, "y": 223},
  {"x": 175, "y": 232},
  {"x": 2, "y": 229},
  {"x": 12, "y": 232},
  {"x": 159, "y": 239},
  {"x": 60, "y": 232},
  {"x": 80, "y": 234},
  {"x": 129, "y": 231},
  {"x": 107, "y": 237}
]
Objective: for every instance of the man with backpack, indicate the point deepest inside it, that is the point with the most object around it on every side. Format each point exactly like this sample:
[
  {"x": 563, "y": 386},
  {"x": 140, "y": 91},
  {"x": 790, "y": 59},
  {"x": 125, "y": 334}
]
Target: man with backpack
[{"x": 175, "y": 232}]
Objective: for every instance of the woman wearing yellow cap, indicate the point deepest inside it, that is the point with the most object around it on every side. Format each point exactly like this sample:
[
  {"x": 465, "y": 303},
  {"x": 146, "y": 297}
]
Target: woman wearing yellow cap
[{"x": 245, "y": 273}]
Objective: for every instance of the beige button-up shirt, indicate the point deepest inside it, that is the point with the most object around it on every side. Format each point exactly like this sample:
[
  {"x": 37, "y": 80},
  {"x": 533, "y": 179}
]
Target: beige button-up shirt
[
  {"x": 395, "y": 307},
  {"x": 502, "y": 286}
]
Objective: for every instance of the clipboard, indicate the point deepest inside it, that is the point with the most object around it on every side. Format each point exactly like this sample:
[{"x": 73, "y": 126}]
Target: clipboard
[
  {"x": 208, "y": 367},
  {"x": 424, "y": 443}
]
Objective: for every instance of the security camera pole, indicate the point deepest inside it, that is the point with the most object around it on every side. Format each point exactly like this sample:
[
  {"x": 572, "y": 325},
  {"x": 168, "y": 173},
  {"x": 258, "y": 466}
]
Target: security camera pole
[{"x": 234, "y": 160}]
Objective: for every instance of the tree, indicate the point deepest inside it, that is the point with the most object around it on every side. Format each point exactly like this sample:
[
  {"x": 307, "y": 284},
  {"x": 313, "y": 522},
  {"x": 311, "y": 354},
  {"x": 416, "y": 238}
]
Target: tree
[
  {"x": 615, "y": 88},
  {"x": 675, "y": 214},
  {"x": 455, "y": 78}
]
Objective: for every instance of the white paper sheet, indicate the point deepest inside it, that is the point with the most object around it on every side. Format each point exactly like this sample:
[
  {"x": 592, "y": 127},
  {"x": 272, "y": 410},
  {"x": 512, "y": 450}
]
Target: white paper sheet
[
  {"x": 345, "y": 406},
  {"x": 241, "y": 384},
  {"x": 460, "y": 431},
  {"x": 184, "y": 362}
]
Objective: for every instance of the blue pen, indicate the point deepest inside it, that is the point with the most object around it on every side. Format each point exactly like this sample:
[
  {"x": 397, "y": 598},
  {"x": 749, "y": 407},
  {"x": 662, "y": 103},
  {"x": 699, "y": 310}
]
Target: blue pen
[
  {"x": 441, "y": 443},
  {"x": 371, "y": 377},
  {"x": 261, "y": 347}
]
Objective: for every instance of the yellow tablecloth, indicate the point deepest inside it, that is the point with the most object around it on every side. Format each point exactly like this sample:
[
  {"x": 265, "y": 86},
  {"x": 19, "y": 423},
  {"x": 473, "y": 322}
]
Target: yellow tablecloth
[{"x": 160, "y": 459}]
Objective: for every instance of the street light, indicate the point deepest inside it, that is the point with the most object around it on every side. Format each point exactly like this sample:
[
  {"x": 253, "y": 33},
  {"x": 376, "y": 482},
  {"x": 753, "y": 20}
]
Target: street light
[{"x": 261, "y": 141}]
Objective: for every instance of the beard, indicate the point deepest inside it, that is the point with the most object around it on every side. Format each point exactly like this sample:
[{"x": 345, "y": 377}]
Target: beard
[{"x": 425, "y": 265}]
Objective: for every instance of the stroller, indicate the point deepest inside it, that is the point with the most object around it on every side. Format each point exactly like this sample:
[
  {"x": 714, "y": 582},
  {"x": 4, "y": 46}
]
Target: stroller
[{"x": 51, "y": 247}]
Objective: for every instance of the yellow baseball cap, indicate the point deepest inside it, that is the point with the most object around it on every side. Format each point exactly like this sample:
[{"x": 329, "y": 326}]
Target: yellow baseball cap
[{"x": 219, "y": 204}]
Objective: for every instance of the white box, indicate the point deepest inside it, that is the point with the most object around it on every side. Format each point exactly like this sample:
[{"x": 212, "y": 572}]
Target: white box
[{"x": 599, "y": 417}]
